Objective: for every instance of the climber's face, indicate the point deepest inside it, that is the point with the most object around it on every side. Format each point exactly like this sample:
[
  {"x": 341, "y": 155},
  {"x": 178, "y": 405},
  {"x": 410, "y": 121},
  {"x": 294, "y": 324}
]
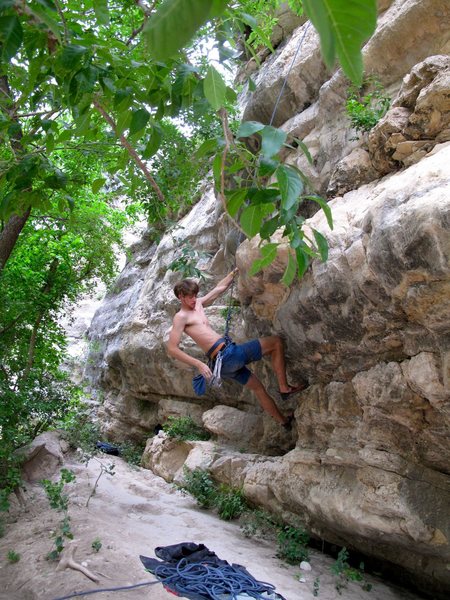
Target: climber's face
[{"x": 189, "y": 300}]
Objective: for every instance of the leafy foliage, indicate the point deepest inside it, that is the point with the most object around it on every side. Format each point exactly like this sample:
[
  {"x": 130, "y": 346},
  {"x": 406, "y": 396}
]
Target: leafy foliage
[
  {"x": 292, "y": 544},
  {"x": 199, "y": 484},
  {"x": 230, "y": 502},
  {"x": 365, "y": 110},
  {"x": 343, "y": 26},
  {"x": 184, "y": 428},
  {"x": 345, "y": 573}
]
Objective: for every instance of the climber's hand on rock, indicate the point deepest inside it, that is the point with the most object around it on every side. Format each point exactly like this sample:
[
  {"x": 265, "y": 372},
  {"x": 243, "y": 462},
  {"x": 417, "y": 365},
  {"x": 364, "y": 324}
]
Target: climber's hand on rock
[{"x": 204, "y": 370}]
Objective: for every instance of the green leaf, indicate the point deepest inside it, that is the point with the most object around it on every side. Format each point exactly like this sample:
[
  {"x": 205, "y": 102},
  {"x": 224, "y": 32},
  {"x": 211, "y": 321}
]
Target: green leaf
[
  {"x": 252, "y": 217},
  {"x": 11, "y": 36},
  {"x": 289, "y": 273},
  {"x": 235, "y": 200},
  {"x": 305, "y": 150},
  {"x": 267, "y": 166},
  {"x": 123, "y": 121},
  {"x": 97, "y": 184},
  {"x": 343, "y": 27},
  {"x": 207, "y": 147},
  {"x": 248, "y": 20},
  {"x": 272, "y": 140},
  {"x": 71, "y": 56},
  {"x": 175, "y": 22},
  {"x": 324, "y": 206},
  {"x": 251, "y": 85},
  {"x": 6, "y": 4},
  {"x": 101, "y": 12},
  {"x": 248, "y": 128},
  {"x": 269, "y": 228},
  {"x": 302, "y": 261},
  {"x": 139, "y": 120},
  {"x": 215, "y": 88},
  {"x": 269, "y": 253},
  {"x": 322, "y": 245},
  {"x": 291, "y": 186},
  {"x": 153, "y": 144}
]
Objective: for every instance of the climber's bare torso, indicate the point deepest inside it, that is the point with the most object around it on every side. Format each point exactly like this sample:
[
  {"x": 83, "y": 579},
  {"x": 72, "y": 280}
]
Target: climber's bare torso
[{"x": 194, "y": 322}]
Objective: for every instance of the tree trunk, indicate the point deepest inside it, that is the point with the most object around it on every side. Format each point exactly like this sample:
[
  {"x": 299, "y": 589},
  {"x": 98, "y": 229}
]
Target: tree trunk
[{"x": 10, "y": 234}]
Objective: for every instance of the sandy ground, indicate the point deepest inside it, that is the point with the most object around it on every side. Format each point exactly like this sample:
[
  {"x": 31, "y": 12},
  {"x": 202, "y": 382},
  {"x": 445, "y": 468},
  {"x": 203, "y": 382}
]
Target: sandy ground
[{"x": 132, "y": 513}]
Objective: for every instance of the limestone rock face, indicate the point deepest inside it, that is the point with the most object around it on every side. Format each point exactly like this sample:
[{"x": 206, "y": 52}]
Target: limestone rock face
[
  {"x": 367, "y": 462},
  {"x": 419, "y": 119}
]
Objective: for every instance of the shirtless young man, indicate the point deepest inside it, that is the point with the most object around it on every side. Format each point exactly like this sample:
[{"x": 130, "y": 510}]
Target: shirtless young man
[{"x": 191, "y": 319}]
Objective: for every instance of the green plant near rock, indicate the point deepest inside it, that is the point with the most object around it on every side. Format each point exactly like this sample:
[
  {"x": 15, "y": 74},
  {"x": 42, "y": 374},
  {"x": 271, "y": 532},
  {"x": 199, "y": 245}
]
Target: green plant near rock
[
  {"x": 199, "y": 484},
  {"x": 184, "y": 428},
  {"x": 57, "y": 499},
  {"x": 131, "y": 452},
  {"x": 345, "y": 573},
  {"x": 60, "y": 502},
  {"x": 260, "y": 523},
  {"x": 96, "y": 545},
  {"x": 230, "y": 502},
  {"x": 365, "y": 110},
  {"x": 292, "y": 544},
  {"x": 13, "y": 556}
]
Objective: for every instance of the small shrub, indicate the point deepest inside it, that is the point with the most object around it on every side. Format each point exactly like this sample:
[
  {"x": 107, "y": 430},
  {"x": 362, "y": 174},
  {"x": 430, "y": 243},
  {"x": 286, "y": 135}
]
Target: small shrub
[
  {"x": 132, "y": 453},
  {"x": 2, "y": 527},
  {"x": 186, "y": 260},
  {"x": 366, "y": 110},
  {"x": 96, "y": 545},
  {"x": 199, "y": 484},
  {"x": 260, "y": 523},
  {"x": 292, "y": 544},
  {"x": 345, "y": 573},
  {"x": 230, "y": 503},
  {"x": 57, "y": 499},
  {"x": 184, "y": 428},
  {"x": 81, "y": 432},
  {"x": 13, "y": 557}
]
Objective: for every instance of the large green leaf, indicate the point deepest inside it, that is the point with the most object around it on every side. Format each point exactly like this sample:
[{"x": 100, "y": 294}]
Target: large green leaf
[
  {"x": 101, "y": 11},
  {"x": 235, "y": 200},
  {"x": 322, "y": 244},
  {"x": 71, "y": 56},
  {"x": 343, "y": 26},
  {"x": 252, "y": 217},
  {"x": 289, "y": 273},
  {"x": 175, "y": 23},
  {"x": 291, "y": 186},
  {"x": 248, "y": 128},
  {"x": 324, "y": 206},
  {"x": 272, "y": 140},
  {"x": 139, "y": 120},
  {"x": 215, "y": 88},
  {"x": 11, "y": 36},
  {"x": 268, "y": 253},
  {"x": 302, "y": 261}
]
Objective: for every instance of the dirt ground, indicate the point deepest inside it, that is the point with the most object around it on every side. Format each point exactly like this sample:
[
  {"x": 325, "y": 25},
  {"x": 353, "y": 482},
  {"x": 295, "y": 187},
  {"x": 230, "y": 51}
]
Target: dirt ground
[{"x": 131, "y": 514}]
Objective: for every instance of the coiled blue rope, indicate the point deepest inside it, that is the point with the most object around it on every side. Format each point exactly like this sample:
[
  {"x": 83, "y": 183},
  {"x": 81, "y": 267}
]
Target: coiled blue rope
[
  {"x": 206, "y": 580},
  {"x": 215, "y": 582}
]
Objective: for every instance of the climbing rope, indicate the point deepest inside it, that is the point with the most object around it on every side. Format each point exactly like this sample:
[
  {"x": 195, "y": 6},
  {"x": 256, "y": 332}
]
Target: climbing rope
[
  {"x": 288, "y": 73},
  {"x": 224, "y": 582}
]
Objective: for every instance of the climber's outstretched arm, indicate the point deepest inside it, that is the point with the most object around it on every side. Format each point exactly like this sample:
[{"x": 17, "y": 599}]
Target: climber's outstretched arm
[{"x": 220, "y": 288}]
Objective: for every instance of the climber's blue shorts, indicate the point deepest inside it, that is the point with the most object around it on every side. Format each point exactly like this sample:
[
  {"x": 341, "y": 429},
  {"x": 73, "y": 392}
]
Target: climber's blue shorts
[{"x": 236, "y": 356}]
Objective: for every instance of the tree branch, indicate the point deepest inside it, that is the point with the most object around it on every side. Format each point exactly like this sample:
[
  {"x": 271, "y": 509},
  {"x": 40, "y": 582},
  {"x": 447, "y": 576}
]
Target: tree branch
[
  {"x": 131, "y": 151},
  {"x": 229, "y": 140}
]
